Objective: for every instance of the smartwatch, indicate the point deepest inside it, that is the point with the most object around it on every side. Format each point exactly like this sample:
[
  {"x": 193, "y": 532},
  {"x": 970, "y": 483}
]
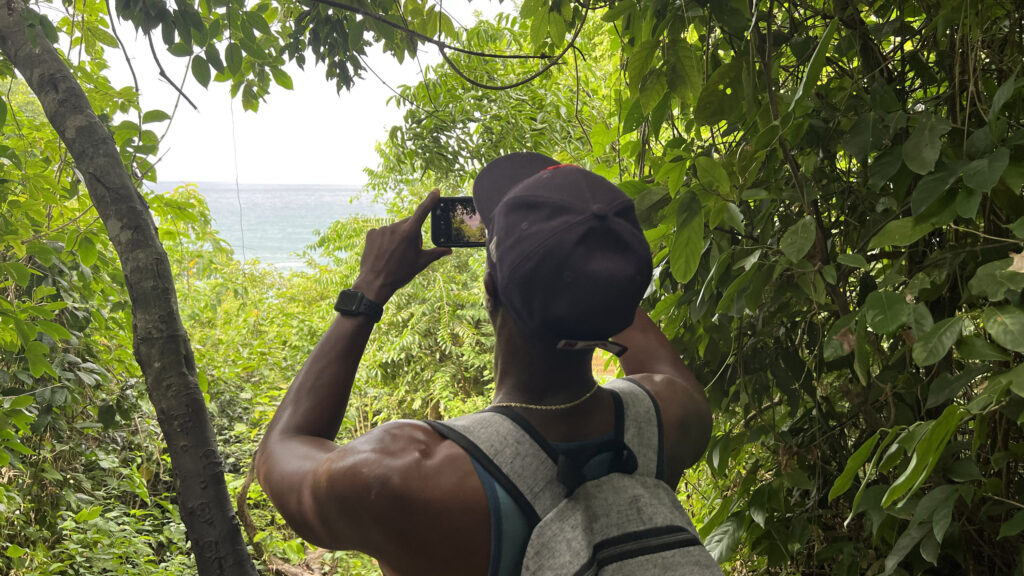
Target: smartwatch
[{"x": 355, "y": 303}]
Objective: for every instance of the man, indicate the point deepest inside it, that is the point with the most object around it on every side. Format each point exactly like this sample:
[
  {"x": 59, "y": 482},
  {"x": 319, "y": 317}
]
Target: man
[{"x": 567, "y": 266}]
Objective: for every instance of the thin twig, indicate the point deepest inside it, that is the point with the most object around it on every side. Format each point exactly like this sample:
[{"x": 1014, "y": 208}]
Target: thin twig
[
  {"x": 166, "y": 77},
  {"x": 399, "y": 94},
  {"x": 58, "y": 228}
]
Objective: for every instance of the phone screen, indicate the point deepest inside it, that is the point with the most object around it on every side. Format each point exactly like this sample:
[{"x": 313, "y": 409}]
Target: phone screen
[{"x": 455, "y": 222}]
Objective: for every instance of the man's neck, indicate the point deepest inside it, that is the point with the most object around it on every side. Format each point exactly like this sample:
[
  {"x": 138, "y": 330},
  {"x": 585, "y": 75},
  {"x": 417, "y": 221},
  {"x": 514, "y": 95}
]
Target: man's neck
[{"x": 540, "y": 374}]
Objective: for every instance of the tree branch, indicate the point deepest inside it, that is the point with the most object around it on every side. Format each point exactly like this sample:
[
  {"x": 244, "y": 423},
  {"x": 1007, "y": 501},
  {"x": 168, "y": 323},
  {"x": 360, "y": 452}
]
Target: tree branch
[
  {"x": 529, "y": 78},
  {"x": 160, "y": 343},
  {"x": 166, "y": 77},
  {"x": 423, "y": 37}
]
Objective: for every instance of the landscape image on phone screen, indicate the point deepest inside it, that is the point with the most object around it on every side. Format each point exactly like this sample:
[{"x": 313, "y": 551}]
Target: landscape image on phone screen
[{"x": 466, "y": 224}]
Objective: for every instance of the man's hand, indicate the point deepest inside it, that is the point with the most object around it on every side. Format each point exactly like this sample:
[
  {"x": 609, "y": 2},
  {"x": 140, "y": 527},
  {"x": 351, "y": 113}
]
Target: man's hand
[{"x": 394, "y": 254}]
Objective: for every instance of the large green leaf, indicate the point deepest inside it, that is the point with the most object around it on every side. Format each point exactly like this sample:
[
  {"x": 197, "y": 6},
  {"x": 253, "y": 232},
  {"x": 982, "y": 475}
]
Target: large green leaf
[
  {"x": 1013, "y": 526},
  {"x": 853, "y": 464},
  {"x": 688, "y": 242},
  {"x": 921, "y": 150},
  {"x": 933, "y": 344},
  {"x": 932, "y": 186},
  {"x": 723, "y": 542},
  {"x": 904, "y": 544},
  {"x": 984, "y": 173},
  {"x": 1006, "y": 325},
  {"x": 712, "y": 175},
  {"x": 813, "y": 71},
  {"x": 977, "y": 348},
  {"x": 926, "y": 454},
  {"x": 886, "y": 312},
  {"x": 994, "y": 279},
  {"x": 798, "y": 239},
  {"x": 902, "y": 232}
]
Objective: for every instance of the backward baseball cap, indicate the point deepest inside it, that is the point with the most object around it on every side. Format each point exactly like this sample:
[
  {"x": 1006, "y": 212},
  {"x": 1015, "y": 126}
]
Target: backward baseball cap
[{"x": 565, "y": 248}]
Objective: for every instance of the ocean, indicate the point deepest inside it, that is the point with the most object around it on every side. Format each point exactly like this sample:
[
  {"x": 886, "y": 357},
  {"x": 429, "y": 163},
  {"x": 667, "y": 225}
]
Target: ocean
[{"x": 278, "y": 220}]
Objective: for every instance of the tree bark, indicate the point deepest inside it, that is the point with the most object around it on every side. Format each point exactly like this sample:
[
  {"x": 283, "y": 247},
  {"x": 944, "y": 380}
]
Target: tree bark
[{"x": 161, "y": 345}]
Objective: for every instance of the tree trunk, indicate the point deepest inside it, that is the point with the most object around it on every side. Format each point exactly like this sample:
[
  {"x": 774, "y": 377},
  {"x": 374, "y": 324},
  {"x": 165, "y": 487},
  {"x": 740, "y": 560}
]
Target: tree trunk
[{"x": 161, "y": 345}]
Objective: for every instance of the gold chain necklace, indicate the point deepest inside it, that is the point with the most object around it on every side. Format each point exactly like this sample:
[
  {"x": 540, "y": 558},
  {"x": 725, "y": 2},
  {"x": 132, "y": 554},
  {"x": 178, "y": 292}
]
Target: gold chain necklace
[{"x": 545, "y": 407}]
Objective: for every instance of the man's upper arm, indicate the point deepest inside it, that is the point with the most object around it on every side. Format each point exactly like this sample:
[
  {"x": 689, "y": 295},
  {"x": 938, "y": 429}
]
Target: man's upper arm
[
  {"x": 686, "y": 418},
  {"x": 338, "y": 497}
]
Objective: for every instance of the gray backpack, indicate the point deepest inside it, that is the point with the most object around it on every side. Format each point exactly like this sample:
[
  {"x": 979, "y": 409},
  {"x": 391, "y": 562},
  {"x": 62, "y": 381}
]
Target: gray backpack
[{"x": 627, "y": 522}]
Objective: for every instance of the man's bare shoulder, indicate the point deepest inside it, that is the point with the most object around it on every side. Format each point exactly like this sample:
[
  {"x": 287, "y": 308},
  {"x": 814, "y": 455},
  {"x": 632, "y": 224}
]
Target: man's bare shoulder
[{"x": 417, "y": 493}]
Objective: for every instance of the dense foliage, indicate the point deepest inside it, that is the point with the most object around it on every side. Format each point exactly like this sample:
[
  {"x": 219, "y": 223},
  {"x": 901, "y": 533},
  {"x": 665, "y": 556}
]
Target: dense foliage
[{"x": 832, "y": 193}]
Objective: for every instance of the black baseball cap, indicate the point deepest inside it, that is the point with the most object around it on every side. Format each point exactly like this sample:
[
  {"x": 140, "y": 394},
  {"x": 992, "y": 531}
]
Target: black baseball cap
[{"x": 565, "y": 248}]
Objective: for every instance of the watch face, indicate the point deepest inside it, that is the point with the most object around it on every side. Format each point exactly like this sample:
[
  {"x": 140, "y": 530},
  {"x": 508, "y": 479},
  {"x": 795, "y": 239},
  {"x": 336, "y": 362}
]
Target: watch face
[{"x": 349, "y": 300}]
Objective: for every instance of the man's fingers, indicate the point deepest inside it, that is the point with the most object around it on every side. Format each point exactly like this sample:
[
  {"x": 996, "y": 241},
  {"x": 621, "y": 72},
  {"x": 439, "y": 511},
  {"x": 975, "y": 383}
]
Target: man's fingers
[
  {"x": 423, "y": 210},
  {"x": 427, "y": 257}
]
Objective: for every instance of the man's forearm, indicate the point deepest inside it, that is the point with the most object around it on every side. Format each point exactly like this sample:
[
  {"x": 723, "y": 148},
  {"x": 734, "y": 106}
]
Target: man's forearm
[{"x": 316, "y": 401}]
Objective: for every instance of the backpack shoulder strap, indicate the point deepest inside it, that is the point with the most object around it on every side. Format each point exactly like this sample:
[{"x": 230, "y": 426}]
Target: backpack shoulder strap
[
  {"x": 643, "y": 431},
  {"x": 521, "y": 464}
]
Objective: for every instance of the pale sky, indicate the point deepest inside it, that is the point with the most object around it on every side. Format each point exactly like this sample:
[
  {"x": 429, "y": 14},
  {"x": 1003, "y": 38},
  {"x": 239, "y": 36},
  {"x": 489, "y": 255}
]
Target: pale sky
[{"x": 308, "y": 135}]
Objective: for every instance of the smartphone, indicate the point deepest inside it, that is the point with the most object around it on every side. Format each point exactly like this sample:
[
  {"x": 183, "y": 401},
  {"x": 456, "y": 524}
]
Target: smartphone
[{"x": 456, "y": 223}]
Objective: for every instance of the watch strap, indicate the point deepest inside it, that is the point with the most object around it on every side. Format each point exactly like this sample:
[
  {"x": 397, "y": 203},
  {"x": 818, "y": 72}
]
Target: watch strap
[{"x": 355, "y": 303}]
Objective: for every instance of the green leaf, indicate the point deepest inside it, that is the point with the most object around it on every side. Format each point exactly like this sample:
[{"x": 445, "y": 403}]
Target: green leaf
[
  {"x": 15, "y": 551},
  {"x": 932, "y": 186},
  {"x": 538, "y": 30},
  {"x": 933, "y": 344},
  {"x": 712, "y": 175},
  {"x": 1018, "y": 227},
  {"x": 937, "y": 506},
  {"x": 1003, "y": 95},
  {"x": 531, "y": 8},
  {"x": 155, "y": 116},
  {"x": 723, "y": 542},
  {"x": 201, "y": 71},
  {"x": 920, "y": 319},
  {"x": 798, "y": 239},
  {"x": 1013, "y": 526},
  {"x": 722, "y": 94},
  {"x": 213, "y": 58},
  {"x": 19, "y": 272},
  {"x": 87, "y": 251},
  {"x": 994, "y": 279},
  {"x": 921, "y": 150},
  {"x": 902, "y": 232},
  {"x": 886, "y": 312},
  {"x": 904, "y": 544},
  {"x": 926, "y": 454},
  {"x": 281, "y": 78},
  {"x": 36, "y": 353},
  {"x": 556, "y": 27},
  {"x": 19, "y": 402},
  {"x": 855, "y": 462},
  {"x": 861, "y": 358},
  {"x": 54, "y": 330},
  {"x": 946, "y": 386},
  {"x": 1006, "y": 325},
  {"x": 233, "y": 58},
  {"x": 813, "y": 71},
  {"x": 853, "y": 260},
  {"x": 977, "y": 348},
  {"x": 884, "y": 167},
  {"x": 985, "y": 173},
  {"x": 617, "y": 11},
  {"x": 88, "y": 514},
  {"x": 688, "y": 243}
]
